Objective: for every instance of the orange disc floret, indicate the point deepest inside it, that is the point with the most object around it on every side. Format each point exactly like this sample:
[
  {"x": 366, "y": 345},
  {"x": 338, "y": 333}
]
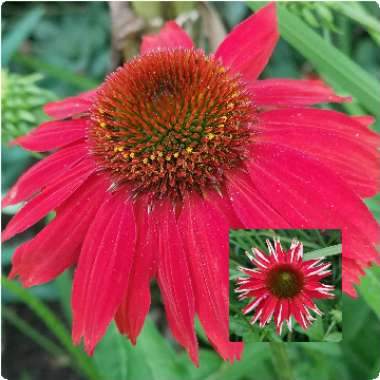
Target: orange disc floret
[{"x": 170, "y": 121}]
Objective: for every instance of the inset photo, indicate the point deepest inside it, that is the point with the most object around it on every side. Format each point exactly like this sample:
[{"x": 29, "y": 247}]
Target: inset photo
[{"x": 285, "y": 285}]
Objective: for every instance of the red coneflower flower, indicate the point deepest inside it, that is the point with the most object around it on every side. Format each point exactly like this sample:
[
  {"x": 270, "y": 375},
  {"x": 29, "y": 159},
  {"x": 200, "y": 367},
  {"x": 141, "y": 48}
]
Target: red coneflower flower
[
  {"x": 283, "y": 285},
  {"x": 151, "y": 170}
]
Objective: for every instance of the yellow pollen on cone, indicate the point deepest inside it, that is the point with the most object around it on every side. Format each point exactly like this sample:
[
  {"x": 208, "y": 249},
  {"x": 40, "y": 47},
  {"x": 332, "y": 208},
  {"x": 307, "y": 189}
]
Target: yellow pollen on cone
[
  {"x": 118, "y": 149},
  {"x": 189, "y": 149},
  {"x": 145, "y": 160},
  {"x": 103, "y": 124},
  {"x": 132, "y": 155},
  {"x": 176, "y": 154},
  {"x": 210, "y": 136}
]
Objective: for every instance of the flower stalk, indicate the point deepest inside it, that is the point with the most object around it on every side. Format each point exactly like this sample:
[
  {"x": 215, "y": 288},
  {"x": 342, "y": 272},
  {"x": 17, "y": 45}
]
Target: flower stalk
[{"x": 281, "y": 361}]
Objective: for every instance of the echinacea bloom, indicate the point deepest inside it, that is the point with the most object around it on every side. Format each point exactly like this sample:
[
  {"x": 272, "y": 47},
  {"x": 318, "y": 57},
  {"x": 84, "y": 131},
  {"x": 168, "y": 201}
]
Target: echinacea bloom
[
  {"x": 282, "y": 285},
  {"x": 150, "y": 170}
]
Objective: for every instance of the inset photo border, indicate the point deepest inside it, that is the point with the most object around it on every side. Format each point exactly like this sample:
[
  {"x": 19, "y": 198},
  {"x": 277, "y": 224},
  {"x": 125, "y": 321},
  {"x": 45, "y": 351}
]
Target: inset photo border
[{"x": 285, "y": 285}]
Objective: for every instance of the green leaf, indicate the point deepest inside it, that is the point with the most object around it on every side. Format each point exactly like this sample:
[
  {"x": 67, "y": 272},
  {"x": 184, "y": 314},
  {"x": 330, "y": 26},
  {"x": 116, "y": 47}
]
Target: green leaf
[
  {"x": 153, "y": 358},
  {"x": 252, "y": 362},
  {"x": 19, "y": 33},
  {"x": 369, "y": 288},
  {"x": 361, "y": 343},
  {"x": 209, "y": 362},
  {"x": 111, "y": 355},
  {"x": 333, "y": 337},
  {"x": 355, "y": 11},
  {"x": 328, "y": 251},
  {"x": 327, "y": 59}
]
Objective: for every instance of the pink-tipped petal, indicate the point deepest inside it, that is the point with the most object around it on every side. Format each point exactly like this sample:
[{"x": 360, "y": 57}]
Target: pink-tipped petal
[
  {"x": 171, "y": 36},
  {"x": 205, "y": 235},
  {"x": 248, "y": 47},
  {"x": 53, "y": 134},
  {"x": 131, "y": 314},
  {"x": 347, "y": 147},
  {"x": 70, "y": 106},
  {"x": 44, "y": 172},
  {"x": 365, "y": 120},
  {"x": 174, "y": 280},
  {"x": 49, "y": 199},
  {"x": 301, "y": 182},
  {"x": 292, "y": 92},
  {"x": 103, "y": 270},
  {"x": 57, "y": 246}
]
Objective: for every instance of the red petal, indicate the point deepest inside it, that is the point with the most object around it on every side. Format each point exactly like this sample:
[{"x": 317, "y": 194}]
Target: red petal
[
  {"x": 344, "y": 145},
  {"x": 131, "y": 314},
  {"x": 103, "y": 270},
  {"x": 57, "y": 246},
  {"x": 309, "y": 195},
  {"x": 249, "y": 205},
  {"x": 49, "y": 199},
  {"x": 248, "y": 47},
  {"x": 351, "y": 275},
  {"x": 53, "y": 134},
  {"x": 207, "y": 249},
  {"x": 174, "y": 280},
  {"x": 70, "y": 106},
  {"x": 222, "y": 203},
  {"x": 171, "y": 36},
  {"x": 45, "y": 171},
  {"x": 292, "y": 92},
  {"x": 269, "y": 307}
]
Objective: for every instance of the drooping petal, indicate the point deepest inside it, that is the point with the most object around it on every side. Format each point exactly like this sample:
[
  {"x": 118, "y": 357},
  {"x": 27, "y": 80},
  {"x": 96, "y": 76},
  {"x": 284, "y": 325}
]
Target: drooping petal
[
  {"x": 57, "y": 246},
  {"x": 205, "y": 236},
  {"x": 347, "y": 147},
  {"x": 131, "y": 314},
  {"x": 103, "y": 270},
  {"x": 292, "y": 92},
  {"x": 309, "y": 195},
  {"x": 70, "y": 106},
  {"x": 43, "y": 172},
  {"x": 171, "y": 36},
  {"x": 53, "y": 134},
  {"x": 174, "y": 280},
  {"x": 247, "y": 49},
  {"x": 249, "y": 205},
  {"x": 49, "y": 199}
]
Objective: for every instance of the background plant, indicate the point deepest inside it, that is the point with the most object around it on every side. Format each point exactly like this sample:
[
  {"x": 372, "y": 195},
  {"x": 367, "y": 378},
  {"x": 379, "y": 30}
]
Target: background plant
[{"x": 72, "y": 45}]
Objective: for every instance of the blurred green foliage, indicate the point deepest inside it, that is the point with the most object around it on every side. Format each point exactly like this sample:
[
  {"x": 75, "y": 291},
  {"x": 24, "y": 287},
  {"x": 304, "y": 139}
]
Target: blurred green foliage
[{"x": 69, "y": 44}]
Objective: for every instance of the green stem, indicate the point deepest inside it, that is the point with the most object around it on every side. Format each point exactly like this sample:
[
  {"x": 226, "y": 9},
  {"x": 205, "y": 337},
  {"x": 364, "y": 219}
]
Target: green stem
[
  {"x": 12, "y": 318},
  {"x": 54, "y": 325},
  {"x": 281, "y": 361}
]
